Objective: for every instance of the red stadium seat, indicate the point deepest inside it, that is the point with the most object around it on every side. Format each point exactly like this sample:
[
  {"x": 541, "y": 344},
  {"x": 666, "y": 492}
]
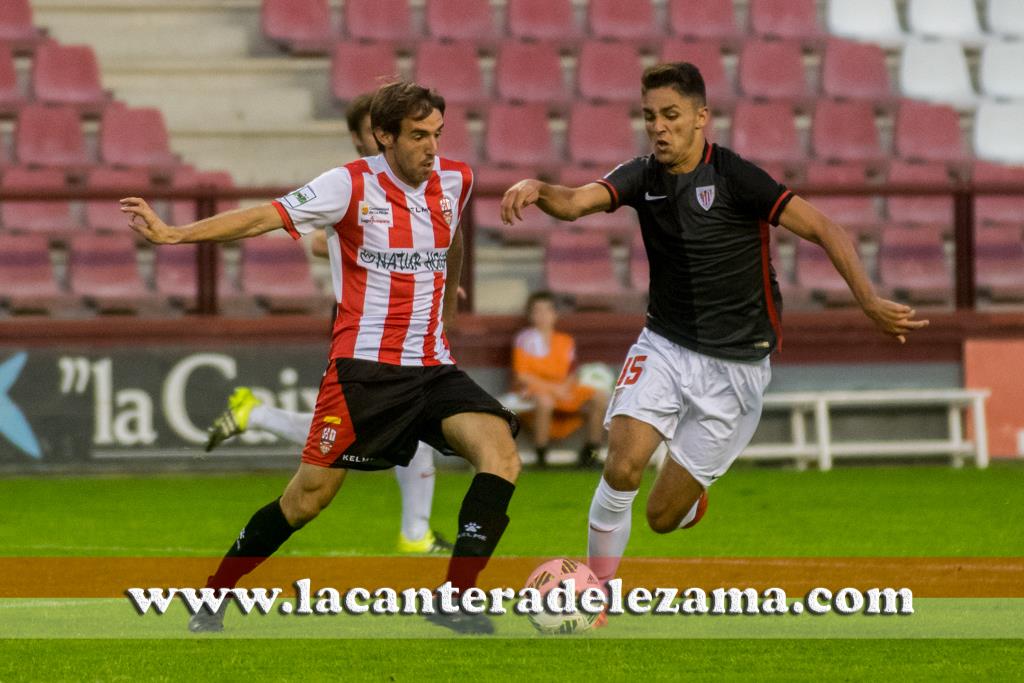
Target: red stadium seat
[
  {"x": 27, "y": 281},
  {"x": 696, "y": 19},
  {"x": 579, "y": 264},
  {"x": 600, "y": 134},
  {"x": 68, "y": 75},
  {"x": 461, "y": 20},
  {"x": 106, "y": 214},
  {"x": 176, "y": 276},
  {"x": 845, "y": 131},
  {"x": 136, "y": 137},
  {"x": 773, "y": 71},
  {"x": 912, "y": 265},
  {"x": 358, "y": 68},
  {"x": 533, "y": 229},
  {"x": 184, "y": 211},
  {"x": 998, "y": 208},
  {"x": 302, "y": 26},
  {"x": 855, "y": 71},
  {"x": 618, "y": 226},
  {"x": 929, "y": 132},
  {"x": 456, "y": 140},
  {"x": 276, "y": 272},
  {"x": 786, "y": 20},
  {"x": 550, "y": 20},
  {"x": 706, "y": 55},
  {"x": 633, "y": 21},
  {"x": 103, "y": 270},
  {"x": 51, "y": 217},
  {"x": 857, "y": 212},
  {"x": 766, "y": 132},
  {"x": 452, "y": 69},
  {"x": 50, "y": 136},
  {"x": 529, "y": 72},
  {"x": 577, "y": 176},
  {"x": 379, "y": 20},
  {"x": 518, "y": 135},
  {"x": 920, "y": 210},
  {"x": 609, "y": 72},
  {"x": 11, "y": 97},
  {"x": 17, "y": 28},
  {"x": 816, "y": 275},
  {"x": 1000, "y": 263}
]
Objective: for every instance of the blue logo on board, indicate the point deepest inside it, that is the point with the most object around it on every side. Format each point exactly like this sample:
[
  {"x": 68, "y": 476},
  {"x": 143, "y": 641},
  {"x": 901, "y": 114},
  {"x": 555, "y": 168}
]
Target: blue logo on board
[{"x": 13, "y": 425}]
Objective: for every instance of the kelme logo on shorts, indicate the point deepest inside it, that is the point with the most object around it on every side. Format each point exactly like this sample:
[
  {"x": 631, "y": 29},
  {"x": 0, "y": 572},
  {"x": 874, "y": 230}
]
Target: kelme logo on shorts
[{"x": 301, "y": 196}]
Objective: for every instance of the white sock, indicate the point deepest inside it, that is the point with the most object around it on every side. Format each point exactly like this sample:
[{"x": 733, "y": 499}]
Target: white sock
[
  {"x": 611, "y": 517},
  {"x": 283, "y": 424},
  {"x": 690, "y": 515},
  {"x": 417, "y": 483}
]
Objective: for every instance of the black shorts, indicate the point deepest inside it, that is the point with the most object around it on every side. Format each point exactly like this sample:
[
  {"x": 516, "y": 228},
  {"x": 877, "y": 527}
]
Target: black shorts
[{"x": 371, "y": 416}]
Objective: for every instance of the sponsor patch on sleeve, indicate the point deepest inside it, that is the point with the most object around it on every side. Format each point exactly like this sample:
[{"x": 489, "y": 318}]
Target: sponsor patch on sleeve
[{"x": 301, "y": 196}]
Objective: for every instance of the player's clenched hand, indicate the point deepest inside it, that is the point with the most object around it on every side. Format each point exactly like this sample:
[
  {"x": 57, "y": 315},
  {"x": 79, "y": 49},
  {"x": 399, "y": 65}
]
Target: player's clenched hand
[
  {"x": 517, "y": 197},
  {"x": 893, "y": 318},
  {"x": 143, "y": 220}
]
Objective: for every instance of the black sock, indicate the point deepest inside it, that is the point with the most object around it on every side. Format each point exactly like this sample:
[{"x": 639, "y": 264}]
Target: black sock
[
  {"x": 260, "y": 538},
  {"x": 542, "y": 455},
  {"x": 482, "y": 520},
  {"x": 588, "y": 453}
]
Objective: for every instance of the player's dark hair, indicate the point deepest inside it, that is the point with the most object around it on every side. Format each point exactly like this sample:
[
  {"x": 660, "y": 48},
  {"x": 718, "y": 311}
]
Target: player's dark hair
[
  {"x": 683, "y": 77},
  {"x": 403, "y": 99},
  {"x": 541, "y": 295},
  {"x": 357, "y": 110}
]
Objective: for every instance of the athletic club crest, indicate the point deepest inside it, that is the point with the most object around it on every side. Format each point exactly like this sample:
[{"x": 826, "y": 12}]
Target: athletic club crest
[
  {"x": 446, "y": 210},
  {"x": 706, "y": 196},
  {"x": 327, "y": 438}
]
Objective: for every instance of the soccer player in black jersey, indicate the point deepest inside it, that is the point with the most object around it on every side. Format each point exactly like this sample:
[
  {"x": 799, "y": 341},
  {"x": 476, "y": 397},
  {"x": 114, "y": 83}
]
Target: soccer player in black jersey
[{"x": 696, "y": 377}]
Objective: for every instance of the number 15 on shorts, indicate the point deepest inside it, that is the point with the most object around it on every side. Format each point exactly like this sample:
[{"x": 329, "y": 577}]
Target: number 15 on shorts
[{"x": 631, "y": 371}]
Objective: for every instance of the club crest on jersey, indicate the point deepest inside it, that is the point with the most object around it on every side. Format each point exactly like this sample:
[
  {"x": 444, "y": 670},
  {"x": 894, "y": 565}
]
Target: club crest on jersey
[
  {"x": 706, "y": 196},
  {"x": 327, "y": 439},
  {"x": 446, "y": 210},
  {"x": 375, "y": 215}
]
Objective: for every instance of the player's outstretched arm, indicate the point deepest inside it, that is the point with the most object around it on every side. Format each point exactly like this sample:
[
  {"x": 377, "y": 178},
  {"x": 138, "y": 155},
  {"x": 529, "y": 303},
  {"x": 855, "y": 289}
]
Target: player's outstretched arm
[
  {"x": 564, "y": 203},
  {"x": 224, "y": 227},
  {"x": 890, "y": 317}
]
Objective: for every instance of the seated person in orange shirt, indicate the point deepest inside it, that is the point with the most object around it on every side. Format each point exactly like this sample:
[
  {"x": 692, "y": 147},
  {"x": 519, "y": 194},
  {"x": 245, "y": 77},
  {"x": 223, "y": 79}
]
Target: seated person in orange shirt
[{"x": 543, "y": 371}]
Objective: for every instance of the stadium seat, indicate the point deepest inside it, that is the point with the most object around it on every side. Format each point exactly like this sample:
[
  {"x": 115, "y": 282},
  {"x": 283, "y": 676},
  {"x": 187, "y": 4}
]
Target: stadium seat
[
  {"x": 999, "y": 265},
  {"x": 456, "y": 140},
  {"x": 579, "y": 264},
  {"x": 999, "y": 74},
  {"x": 766, "y": 132},
  {"x": 845, "y": 131},
  {"x": 11, "y": 97},
  {"x": 357, "y": 68},
  {"x": 912, "y": 265},
  {"x": 27, "y": 281},
  {"x": 184, "y": 211},
  {"x": 103, "y": 271},
  {"x": 816, "y": 275},
  {"x": 136, "y": 137},
  {"x": 920, "y": 210},
  {"x": 379, "y": 20},
  {"x": 774, "y": 70},
  {"x": 453, "y": 70},
  {"x": 706, "y": 55},
  {"x": 68, "y": 75},
  {"x": 518, "y": 135},
  {"x": 50, "y": 136},
  {"x": 471, "y": 20},
  {"x": 870, "y": 21},
  {"x": 928, "y": 132},
  {"x": 53, "y": 218},
  {"x": 633, "y": 21},
  {"x": 855, "y": 71},
  {"x": 699, "y": 19},
  {"x": 1005, "y": 18},
  {"x": 530, "y": 73},
  {"x": 786, "y": 20},
  {"x": 937, "y": 72},
  {"x": 995, "y": 209},
  {"x": 17, "y": 28},
  {"x": 600, "y": 134},
  {"x": 998, "y": 135},
  {"x": 175, "y": 274},
  {"x": 301, "y": 26},
  {"x": 618, "y": 226},
  {"x": 533, "y": 229},
  {"x": 276, "y": 272},
  {"x": 106, "y": 214},
  {"x": 609, "y": 72},
  {"x": 947, "y": 19},
  {"x": 548, "y": 20},
  {"x": 852, "y": 211}
]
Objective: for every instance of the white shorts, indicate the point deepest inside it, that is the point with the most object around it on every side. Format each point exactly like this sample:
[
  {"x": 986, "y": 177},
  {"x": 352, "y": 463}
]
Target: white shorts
[{"x": 706, "y": 408}]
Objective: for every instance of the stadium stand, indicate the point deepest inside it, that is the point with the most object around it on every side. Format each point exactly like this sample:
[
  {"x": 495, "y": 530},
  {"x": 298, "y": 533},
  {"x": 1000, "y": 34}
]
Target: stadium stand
[
  {"x": 533, "y": 229},
  {"x": 276, "y": 272},
  {"x": 356, "y": 68},
  {"x": 184, "y": 210},
  {"x": 458, "y": 143},
  {"x": 774, "y": 70},
  {"x": 27, "y": 283},
  {"x": 1000, "y": 263},
  {"x": 579, "y": 264},
  {"x": 995, "y": 209},
  {"x": 451, "y": 68},
  {"x": 912, "y": 265},
  {"x": 999, "y": 70},
  {"x": 928, "y": 132},
  {"x": 471, "y": 20},
  {"x": 301, "y": 26},
  {"x": 855, "y": 71},
  {"x": 856, "y": 212},
  {"x": 697, "y": 19},
  {"x": 872, "y": 21},
  {"x": 174, "y": 271},
  {"x": 518, "y": 135},
  {"x": 910, "y": 210},
  {"x": 51, "y": 136},
  {"x": 845, "y": 132},
  {"x": 600, "y": 134},
  {"x": 766, "y": 132},
  {"x": 947, "y": 19},
  {"x": 106, "y": 214},
  {"x": 550, "y": 20},
  {"x": 17, "y": 28},
  {"x": 528, "y": 72},
  {"x": 607, "y": 71},
  {"x": 363, "y": 21},
  {"x": 52, "y": 218},
  {"x": 632, "y": 21},
  {"x": 816, "y": 274},
  {"x": 786, "y": 20},
  {"x": 1005, "y": 18},
  {"x": 12, "y": 99},
  {"x": 136, "y": 137},
  {"x": 103, "y": 272},
  {"x": 937, "y": 72},
  {"x": 998, "y": 135},
  {"x": 68, "y": 75},
  {"x": 706, "y": 55}
]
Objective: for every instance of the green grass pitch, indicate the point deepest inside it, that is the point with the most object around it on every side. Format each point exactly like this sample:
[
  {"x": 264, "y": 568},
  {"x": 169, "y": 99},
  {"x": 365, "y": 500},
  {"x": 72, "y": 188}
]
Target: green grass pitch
[{"x": 754, "y": 511}]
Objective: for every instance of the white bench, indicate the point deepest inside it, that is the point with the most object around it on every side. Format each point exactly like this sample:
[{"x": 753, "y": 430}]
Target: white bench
[{"x": 824, "y": 450}]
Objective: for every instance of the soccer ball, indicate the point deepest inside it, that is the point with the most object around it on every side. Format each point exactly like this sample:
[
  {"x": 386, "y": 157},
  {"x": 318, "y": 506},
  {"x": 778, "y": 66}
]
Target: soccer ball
[{"x": 550, "y": 575}]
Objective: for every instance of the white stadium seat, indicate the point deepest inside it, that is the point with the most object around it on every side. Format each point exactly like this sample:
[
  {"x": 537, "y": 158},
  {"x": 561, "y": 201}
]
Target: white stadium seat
[
  {"x": 1000, "y": 70},
  {"x": 998, "y": 135},
  {"x": 873, "y": 21},
  {"x": 936, "y": 72},
  {"x": 1006, "y": 18},
  {"x": 953, "y": 19}
]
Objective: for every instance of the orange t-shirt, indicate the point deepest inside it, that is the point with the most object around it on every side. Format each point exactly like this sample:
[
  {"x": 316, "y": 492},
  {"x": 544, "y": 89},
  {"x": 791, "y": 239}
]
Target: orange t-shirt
[{"x": 534, "y": 358}]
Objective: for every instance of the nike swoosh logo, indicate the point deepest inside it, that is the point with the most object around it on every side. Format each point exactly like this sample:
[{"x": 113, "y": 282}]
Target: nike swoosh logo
[{"x": 652, "y": 198}]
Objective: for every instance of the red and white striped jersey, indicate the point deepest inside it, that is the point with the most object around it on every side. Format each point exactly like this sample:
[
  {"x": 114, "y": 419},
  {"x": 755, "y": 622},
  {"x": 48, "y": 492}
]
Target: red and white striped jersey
[{"x": 388, "y": 245}]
